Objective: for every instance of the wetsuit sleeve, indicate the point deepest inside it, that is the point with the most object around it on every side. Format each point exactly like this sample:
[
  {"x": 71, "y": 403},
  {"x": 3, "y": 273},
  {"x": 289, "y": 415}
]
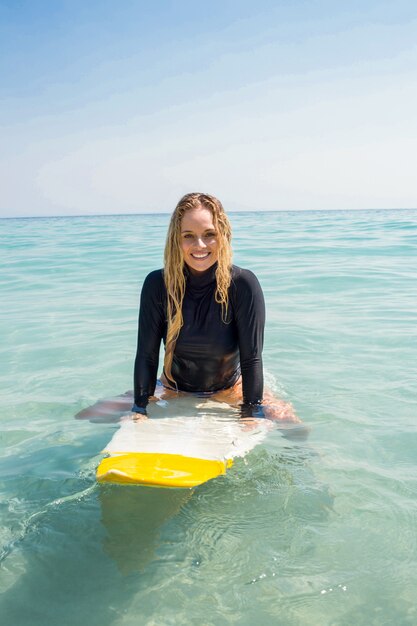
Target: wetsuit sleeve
[
  {"x": 249, "y": 312},
  {"x": 150, "y": 332}
]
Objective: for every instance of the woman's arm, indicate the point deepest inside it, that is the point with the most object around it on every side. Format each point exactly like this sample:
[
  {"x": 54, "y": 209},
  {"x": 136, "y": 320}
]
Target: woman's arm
[
  {"x": 249, "y": 312},
  {"x": 250, "y": 319},
  {"x": 151, "y": 330}
]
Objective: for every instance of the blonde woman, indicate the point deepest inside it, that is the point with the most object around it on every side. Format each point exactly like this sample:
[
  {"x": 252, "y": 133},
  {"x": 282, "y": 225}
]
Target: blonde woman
[{"x": 210, "y": 315}]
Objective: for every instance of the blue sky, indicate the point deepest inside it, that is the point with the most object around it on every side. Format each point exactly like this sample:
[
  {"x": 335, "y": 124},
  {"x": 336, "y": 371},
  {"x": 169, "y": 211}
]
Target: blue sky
[{"x": 122, "y": 107}]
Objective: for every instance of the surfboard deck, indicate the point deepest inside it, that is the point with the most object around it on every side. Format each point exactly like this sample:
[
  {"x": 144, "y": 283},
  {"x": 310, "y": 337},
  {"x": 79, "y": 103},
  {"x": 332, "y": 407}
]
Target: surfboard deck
[{"x": 178, "y": 452}]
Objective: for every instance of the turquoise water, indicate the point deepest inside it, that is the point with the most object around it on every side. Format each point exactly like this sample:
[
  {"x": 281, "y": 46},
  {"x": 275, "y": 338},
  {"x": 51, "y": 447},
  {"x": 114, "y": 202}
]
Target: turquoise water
[{"x": 320, "y": 532}]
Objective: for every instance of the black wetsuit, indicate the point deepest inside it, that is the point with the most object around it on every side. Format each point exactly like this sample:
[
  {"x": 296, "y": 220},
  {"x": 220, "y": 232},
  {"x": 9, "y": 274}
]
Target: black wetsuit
[{"x": 209, "y": 354}]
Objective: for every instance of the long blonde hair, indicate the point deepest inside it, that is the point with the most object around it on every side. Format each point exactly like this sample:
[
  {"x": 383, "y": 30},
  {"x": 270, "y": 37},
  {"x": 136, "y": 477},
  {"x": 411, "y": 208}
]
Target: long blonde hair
[{"x": 174, "y": 266}]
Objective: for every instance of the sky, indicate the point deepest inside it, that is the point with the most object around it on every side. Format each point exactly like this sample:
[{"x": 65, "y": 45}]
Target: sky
[{"x": 122, "y": 106}]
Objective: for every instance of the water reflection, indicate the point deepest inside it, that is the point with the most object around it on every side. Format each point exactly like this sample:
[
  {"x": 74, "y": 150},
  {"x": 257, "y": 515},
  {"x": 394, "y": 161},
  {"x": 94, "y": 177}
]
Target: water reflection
[{"x": 133, "y": 517}]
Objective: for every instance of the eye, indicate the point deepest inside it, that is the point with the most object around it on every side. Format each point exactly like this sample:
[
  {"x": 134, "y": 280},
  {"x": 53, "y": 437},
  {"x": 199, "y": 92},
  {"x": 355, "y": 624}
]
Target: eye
[
  {"x": 188, "y": 236},
  {"x": 210, "y": 235}
]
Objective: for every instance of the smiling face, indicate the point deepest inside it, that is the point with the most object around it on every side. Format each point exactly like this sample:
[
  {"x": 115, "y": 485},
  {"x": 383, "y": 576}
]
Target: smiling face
[{"x": 199, "y": 239}]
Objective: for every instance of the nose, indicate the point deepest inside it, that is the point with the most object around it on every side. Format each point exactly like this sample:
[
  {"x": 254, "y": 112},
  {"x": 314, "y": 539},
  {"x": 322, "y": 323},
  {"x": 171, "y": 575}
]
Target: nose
[{"x": 200, "y": 243}]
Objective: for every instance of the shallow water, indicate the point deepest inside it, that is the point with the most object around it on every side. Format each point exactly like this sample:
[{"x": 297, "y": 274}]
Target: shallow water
[{"x": 315, "y": 532}]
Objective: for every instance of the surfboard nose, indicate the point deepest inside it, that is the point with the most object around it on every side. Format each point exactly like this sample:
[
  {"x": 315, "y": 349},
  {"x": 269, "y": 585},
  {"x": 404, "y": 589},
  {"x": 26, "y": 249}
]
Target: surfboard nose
[{"x": 160, "y": 469}]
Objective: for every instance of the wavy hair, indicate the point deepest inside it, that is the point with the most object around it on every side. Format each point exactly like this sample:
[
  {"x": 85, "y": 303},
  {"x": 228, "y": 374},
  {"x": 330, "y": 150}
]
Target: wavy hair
[{"x": 174, "y": 266}]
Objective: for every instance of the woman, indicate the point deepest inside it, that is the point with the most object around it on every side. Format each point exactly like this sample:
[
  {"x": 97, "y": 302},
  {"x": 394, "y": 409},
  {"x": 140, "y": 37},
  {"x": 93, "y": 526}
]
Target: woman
[{"x": 210, "y": 315}]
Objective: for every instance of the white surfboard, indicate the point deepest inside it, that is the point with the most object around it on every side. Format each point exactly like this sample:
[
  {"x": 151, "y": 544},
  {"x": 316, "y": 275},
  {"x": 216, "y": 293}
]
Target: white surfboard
[{"x": 181, "y": 451}]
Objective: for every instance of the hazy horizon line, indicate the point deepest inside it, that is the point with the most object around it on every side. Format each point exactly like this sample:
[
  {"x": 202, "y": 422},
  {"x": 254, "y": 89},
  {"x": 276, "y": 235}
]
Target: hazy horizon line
[{"x": 246, "y": 211}]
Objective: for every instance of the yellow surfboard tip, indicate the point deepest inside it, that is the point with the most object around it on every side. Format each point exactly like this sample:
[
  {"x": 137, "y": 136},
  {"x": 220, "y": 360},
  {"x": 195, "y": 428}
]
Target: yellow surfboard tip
[{"x": 160, "y": 469}]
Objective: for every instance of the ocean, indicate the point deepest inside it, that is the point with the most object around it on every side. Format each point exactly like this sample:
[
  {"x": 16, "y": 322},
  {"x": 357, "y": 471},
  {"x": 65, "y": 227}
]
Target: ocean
[{"x": 317, "y": 532}]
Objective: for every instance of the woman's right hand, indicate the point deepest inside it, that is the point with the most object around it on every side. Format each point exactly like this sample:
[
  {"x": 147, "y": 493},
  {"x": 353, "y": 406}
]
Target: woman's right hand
[{"x": 136, "y": 417}]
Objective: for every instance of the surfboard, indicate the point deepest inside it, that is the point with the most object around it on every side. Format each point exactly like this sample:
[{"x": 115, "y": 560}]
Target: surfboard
[{"x": 181, "y": 451}]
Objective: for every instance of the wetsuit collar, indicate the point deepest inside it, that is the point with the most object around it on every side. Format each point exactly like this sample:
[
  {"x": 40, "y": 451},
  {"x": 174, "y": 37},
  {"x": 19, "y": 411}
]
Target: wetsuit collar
[{"x": 202, "y": 279}]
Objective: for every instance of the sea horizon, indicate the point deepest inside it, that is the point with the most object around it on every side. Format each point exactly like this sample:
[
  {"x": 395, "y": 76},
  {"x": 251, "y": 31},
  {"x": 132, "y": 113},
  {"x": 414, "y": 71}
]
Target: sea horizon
[{"x": 229, "y": 211}]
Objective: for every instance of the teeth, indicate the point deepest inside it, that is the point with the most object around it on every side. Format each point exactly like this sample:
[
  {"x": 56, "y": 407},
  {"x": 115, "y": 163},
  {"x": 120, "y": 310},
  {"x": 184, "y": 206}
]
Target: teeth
[{"x": 200, "y": 256}]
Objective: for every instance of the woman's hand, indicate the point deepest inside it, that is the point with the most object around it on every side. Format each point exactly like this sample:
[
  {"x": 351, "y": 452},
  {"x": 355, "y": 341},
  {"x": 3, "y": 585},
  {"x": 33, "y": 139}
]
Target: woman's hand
[{"x": 136, "y": 417}]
